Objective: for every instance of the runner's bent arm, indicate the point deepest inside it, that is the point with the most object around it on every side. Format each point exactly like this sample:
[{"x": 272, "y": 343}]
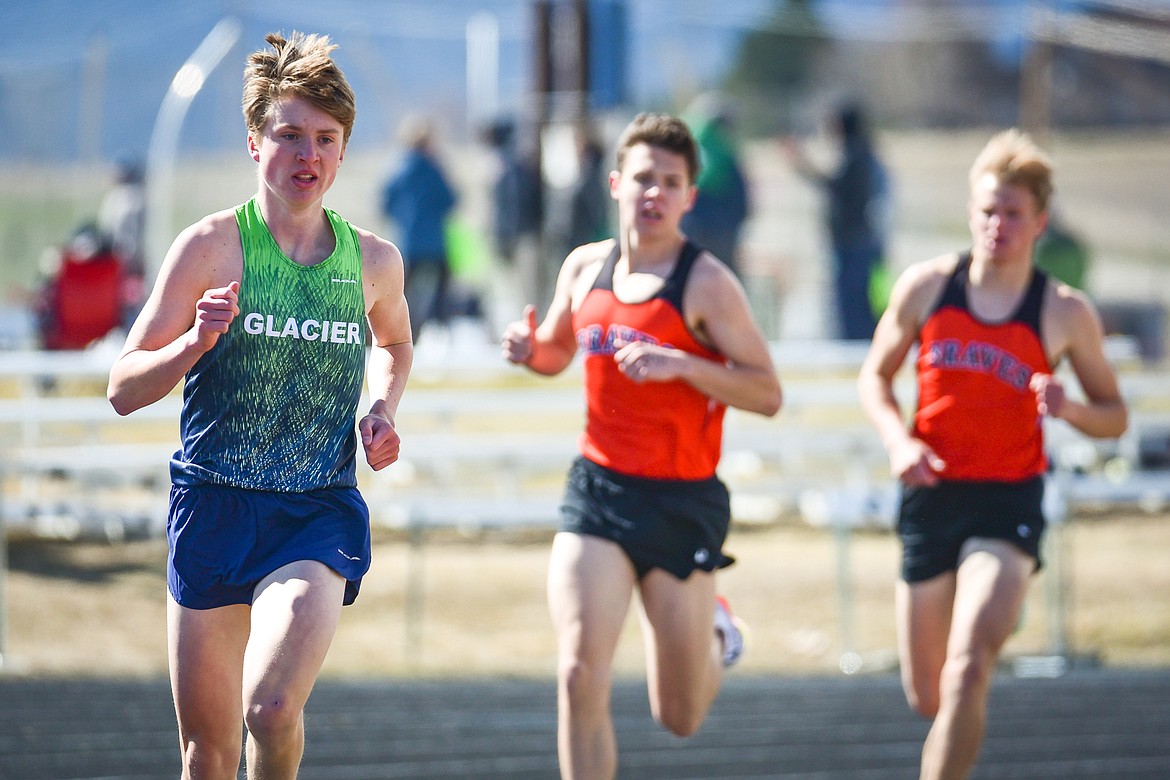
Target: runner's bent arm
[
  {"x": 192, "y": 303},
  {"x": 1076, "y": 325},
  {"x": 717, "y": 310},
  {"x": 549, "y": 348},
  {"x": 391, "y": 352},
  {"x": 897, "y": 330}
]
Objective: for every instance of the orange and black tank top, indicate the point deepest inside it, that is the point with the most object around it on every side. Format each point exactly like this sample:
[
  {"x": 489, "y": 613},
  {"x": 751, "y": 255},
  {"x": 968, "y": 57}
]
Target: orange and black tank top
[
  {"x": 974, "y": 406},
  {"x": 660, "y": 430}
]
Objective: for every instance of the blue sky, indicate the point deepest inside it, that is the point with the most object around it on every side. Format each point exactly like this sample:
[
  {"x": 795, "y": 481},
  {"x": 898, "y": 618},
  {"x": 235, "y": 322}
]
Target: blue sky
[{"x": 400, "y": 54}]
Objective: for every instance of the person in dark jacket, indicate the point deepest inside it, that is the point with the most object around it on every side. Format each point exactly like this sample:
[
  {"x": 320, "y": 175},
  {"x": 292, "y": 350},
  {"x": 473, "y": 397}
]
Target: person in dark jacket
[
  {"x": 856, "y": 193},
  {"x": 418, "y": 199}
]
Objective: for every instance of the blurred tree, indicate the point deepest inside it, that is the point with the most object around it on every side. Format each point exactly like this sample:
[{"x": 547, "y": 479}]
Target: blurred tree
[{"x": 775, "y": 64}]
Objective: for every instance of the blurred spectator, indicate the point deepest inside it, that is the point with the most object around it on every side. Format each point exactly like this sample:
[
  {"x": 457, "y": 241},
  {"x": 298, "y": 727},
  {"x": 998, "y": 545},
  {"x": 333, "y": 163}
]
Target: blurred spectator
[
  {"x": 517, "y": 217},
  {"x": 722, "y": 203},
  {"x": 1066, "y": 257},
  {"x": 857, "y": 195},
  {"x": 516, "y": 192},
  {"x": 122, "y": 218},
  {"x": 584, "y": 214},
  {"x": 1062, "y": 253},
  {"x": 121, "y": 215},
  {"x": 417, "y": 199},
  {"x": 81, "y": 300}
]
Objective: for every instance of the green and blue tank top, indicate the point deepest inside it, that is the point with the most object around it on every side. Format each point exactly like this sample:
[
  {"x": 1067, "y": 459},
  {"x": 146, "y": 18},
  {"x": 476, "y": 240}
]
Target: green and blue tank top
[{"x": 272, "y": 405}]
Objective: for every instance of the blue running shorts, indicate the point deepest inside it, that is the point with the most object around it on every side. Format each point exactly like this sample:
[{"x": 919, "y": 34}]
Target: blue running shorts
[
  {"x": 671, "y": 524},
  {"x": 935, "y": 522},
  {"x": 224, "y": 540}
]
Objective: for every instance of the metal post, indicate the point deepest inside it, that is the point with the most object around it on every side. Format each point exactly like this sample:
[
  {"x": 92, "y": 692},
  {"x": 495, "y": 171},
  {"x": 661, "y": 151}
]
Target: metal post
[
  {"x": 849, "y": 660},
  {"x": 3, "y": 576},
  {"x": 532, "y": 263},
  {"x": 844, "y": 517},
  {"x": 1057, "y": 590},
  {"x": 483, "y": 69},
  {"x": 97, "y": 54},
  {"x": 1036, "y": 87},
  {"x": 415, "y": 597},
  {"x": 1054, "y": 662},
  {"x": 582, "y": 84}
]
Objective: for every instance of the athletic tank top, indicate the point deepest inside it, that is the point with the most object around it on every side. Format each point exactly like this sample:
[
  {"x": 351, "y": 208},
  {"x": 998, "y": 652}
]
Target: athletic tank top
[
  {"x": 662, "y": 430},
  {"x": 272, "y": 405},
  {"x": 974, "y": 406}
]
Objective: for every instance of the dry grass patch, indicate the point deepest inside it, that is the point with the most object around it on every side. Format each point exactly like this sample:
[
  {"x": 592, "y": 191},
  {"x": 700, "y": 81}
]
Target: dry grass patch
[{"x": 475, "y": 604}]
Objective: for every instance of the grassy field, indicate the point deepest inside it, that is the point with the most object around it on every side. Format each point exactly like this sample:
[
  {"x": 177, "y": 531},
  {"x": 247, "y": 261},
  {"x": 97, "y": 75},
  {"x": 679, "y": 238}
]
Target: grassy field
[
  {"x": 1110, "y": 188},
  {"x": 478, "y": 608}
]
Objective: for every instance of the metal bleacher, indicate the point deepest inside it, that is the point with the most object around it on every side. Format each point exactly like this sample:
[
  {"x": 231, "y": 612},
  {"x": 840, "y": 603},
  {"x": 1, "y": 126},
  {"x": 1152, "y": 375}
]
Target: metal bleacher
[{"x": 486, "y": 444}]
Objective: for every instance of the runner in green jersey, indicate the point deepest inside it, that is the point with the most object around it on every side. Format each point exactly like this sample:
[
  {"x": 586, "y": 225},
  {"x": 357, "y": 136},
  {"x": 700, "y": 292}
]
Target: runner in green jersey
[{"x": 263, "y": 310}]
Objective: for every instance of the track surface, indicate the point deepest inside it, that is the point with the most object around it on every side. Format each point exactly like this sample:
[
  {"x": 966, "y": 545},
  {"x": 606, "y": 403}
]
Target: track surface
[{"x": 1088, "y": 724}]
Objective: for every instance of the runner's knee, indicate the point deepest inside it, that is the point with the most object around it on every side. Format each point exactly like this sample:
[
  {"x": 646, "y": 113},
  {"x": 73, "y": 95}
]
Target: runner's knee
[
  {"x": 680, "y": 715},
  {"x": 273, "y": 720},
  {"x": 584, "y": 684},
  {"x": 923, "y": 699},
  {"x": 967, "y": 673}
]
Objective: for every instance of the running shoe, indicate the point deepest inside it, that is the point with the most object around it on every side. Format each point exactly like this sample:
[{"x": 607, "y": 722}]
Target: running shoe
[{"x": 732, "y": 632}]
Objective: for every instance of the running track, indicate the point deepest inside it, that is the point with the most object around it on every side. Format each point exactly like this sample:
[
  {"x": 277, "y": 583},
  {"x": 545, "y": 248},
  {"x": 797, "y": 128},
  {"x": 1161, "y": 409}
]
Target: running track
[{"x": 1098, "y": 724}]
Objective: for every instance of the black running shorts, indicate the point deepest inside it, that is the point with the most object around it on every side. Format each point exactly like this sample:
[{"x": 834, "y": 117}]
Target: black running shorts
[
  {"x": 675, "y": 525},
  {"x": 935, "y": 522}
]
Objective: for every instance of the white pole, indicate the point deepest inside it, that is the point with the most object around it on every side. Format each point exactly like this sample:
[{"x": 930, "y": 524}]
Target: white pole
[
  {"x": 483, "y": 69},
  {"x": 1057, "y": 512},
  {"x": 164, "y": 139},
  {"x": 92, "y": 96}
]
